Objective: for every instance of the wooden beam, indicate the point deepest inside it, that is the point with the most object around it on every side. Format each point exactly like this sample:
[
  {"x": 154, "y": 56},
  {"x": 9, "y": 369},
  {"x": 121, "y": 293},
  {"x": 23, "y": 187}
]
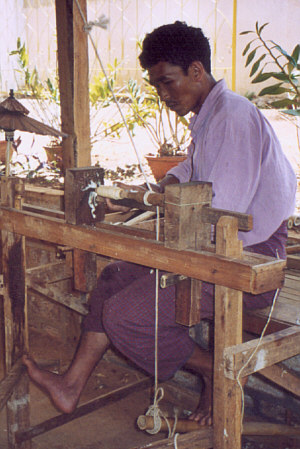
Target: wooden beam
[
  {"x": 244, "y": 274},
  {"x": 212, "y": 215},
  {"x": 73, "y": 82},
  {"x": 228, "y": 331},
  {"x": 81, "y": 88},
  {"x": 50, "y": 272},
  {"x": 74, "y": 302},
  {"x": 282, "y": 376},
  {"x": 272, "y": 349}
]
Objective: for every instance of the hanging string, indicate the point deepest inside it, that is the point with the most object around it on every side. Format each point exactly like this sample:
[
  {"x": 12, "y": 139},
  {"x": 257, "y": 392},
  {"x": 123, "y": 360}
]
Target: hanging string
[
  {"x": 102, "y": 23},
  {"x": 238, "y": 378}
]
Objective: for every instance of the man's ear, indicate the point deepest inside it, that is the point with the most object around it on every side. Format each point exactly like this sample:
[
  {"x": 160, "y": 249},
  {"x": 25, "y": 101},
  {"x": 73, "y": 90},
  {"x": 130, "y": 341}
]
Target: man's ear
[{"x": 196, "y": 70}]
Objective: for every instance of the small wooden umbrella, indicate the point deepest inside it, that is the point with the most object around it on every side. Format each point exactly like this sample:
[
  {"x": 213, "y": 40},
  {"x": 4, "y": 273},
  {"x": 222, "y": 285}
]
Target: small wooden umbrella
[{"x": 14, "y": 116}]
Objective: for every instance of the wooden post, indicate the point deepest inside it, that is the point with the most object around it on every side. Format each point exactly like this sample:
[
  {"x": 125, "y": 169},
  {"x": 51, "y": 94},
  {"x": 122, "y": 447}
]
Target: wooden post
[
  {"x": 15, "y": 314},
  {"x": 183, "y": 207},
  {"x": 228, "y": 332},
  {"x": 73, "y": 71}
]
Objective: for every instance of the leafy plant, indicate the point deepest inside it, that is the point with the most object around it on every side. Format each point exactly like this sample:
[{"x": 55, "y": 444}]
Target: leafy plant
[
  {"x": 101, "y": 88},
  {"x": 46, "y": 93},
  {"x": 32, "y": 84},
  {"x": 285, "y": 68}
]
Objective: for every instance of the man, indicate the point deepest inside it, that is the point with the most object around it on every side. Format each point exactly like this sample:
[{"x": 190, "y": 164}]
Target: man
[{"x": 235, "y": 148}]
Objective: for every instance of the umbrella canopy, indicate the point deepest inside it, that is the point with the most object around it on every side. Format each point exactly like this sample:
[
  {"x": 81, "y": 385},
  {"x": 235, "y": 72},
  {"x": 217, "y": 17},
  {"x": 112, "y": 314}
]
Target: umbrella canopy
[
  {"x": 11, "y": 121},
  {"x": 14, "y": 116}
]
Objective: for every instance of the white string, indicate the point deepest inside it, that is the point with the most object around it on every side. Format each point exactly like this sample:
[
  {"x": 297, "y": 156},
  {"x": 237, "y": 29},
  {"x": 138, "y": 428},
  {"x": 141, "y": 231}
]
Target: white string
[
  {"x": 254, "y": 352},
  {"x": 175, "y": 440}
]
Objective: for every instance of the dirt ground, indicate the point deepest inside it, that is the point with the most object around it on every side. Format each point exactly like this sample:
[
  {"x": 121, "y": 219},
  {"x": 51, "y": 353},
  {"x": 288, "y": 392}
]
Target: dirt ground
[{"x": 114, "y": 426}]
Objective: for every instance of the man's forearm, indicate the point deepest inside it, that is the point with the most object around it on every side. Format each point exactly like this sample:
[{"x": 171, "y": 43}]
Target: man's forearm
[{"x": 169, "y": 179}]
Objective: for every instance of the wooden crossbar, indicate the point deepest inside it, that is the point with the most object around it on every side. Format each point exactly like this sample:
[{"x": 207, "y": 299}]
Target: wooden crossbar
[
  {"x": 272, "y": 349},
  {"x": 253, "y": 273}
]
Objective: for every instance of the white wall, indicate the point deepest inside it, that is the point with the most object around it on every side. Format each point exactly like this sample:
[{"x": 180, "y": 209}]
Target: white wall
[{"x": 34, "y": 22}]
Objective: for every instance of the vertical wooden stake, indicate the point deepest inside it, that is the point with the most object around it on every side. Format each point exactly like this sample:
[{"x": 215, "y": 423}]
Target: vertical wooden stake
[
  {"x": 15, "y": 314},
  {"x": 228, "y": 332}
]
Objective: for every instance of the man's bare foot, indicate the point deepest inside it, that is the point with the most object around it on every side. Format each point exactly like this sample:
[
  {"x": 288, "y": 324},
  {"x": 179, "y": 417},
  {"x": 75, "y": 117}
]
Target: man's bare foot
[
  {"x": 203, "y": 414},
  {"x": 63, "y": 394}
]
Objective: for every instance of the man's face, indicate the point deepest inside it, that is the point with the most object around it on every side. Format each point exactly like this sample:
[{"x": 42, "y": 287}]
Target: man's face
[{"x": 180, "y": 92}]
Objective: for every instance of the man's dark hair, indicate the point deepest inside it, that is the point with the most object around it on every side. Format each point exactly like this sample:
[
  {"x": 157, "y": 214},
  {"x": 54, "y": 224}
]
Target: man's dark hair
[{"x": 178, "y": 44}]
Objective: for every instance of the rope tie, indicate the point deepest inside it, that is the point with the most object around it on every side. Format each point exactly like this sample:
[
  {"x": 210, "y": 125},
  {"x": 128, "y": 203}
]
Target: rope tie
[
  {"x": 155, "y": 412},
  {"x": 101, "y": 22}
]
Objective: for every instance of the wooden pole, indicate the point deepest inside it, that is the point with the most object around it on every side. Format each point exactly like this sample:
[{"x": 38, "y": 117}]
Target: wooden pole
[
  {"x": 228, "y": 332},
  {"x": 72, "y": 53},
  {"x": 15, "y": 314}
]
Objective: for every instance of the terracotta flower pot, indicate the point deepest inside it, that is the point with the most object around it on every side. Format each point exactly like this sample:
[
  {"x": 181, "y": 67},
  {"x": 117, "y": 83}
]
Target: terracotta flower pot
[
  {"x": 54, "y": 154},
  {"x": 160, "y": 165}
]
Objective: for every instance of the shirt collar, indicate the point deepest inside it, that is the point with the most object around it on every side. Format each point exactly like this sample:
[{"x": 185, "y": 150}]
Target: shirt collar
[{"x": 198, "y": 119}]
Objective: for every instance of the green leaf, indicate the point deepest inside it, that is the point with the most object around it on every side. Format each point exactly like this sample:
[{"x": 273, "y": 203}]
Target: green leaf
[
  {"x": 248, "y": 46},
  {"x": 276, "y": 89},
  {"x": 283, "y": 103},
  {"x": 282, "y": 77},
  {"x": 256, "y": 65},
  {"x": 262, "y": 77},
  {"x": 262, "y": 27},
  {"x": 284, "y": 53},
  {"x": 250, "y": 57},
  {"x": 296, "y": 52}
]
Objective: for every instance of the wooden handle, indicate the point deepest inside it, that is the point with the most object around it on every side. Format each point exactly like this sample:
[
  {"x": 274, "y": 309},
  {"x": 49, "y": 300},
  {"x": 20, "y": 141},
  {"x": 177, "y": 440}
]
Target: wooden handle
[{"x": 249, "y": 428}]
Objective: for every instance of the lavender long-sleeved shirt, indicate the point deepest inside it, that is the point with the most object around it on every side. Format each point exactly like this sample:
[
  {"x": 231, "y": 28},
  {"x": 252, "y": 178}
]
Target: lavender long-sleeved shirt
[{"x": 235, "y": 148}]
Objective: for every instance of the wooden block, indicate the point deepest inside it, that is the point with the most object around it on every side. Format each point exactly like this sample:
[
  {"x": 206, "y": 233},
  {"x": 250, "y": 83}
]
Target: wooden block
[
  {"x": 184, "y": 229},
  {"x": 85, "y": 270},
  {"x": 183, "y": 204},
  {"x": 77, "y": 209},
  {"x": 187, "y": 307}
]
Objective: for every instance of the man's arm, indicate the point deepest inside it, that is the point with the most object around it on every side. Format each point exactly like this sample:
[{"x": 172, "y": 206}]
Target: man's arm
[{"x": 160, "y": 186}]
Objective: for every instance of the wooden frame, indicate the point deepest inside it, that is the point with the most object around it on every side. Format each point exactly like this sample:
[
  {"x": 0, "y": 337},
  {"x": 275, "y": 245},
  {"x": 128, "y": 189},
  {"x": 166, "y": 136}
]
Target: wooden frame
[{"x": 228, "y": 267}]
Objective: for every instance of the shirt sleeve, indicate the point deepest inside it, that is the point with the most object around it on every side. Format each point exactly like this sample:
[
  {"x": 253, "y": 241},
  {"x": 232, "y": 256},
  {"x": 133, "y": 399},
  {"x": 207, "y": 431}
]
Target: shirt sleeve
[{"x": 234, "y": 161}]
